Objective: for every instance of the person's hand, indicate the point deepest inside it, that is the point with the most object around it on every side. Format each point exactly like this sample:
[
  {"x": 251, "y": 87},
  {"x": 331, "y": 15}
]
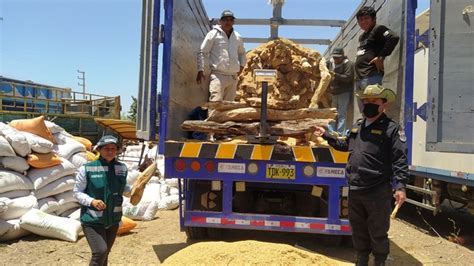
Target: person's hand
[
  {"x": 400, "y": 197},
  {"x": 98, "y": 204},
  {"x": 378, "y": 61},
  {"x": 200, "y": 77},
  {"x": 319, "y": 131}
]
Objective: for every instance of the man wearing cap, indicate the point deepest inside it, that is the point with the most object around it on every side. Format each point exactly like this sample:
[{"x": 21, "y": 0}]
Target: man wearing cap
[
  {"x": 223, "y": 50},
  {"x": 377, "y": 165},
  {"x": 99, "y": 187},
  {"x": 375, "y": 43},
  {"x": 341, "y": 87}
]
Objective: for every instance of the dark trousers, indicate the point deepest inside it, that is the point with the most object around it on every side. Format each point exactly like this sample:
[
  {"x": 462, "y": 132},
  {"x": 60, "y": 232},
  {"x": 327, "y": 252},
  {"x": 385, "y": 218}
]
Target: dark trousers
[
  {"x": 369, "y": 215},
  {"x": 100, "y": 241}
]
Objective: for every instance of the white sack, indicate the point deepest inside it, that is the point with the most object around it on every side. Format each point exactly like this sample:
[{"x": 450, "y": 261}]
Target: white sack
[
  {"x": 48, "y": 204},
  {"x": 15, "y": 163},
  {"x": 43, "y": 176},
  {"x": 14, "y": 231},
  {"x": 5, "y": 147},
  {"x": 53, "y": 127},
  {"x": 66, "y": 146},
  {"x": 17, "y": 207},
  {"x": 47, "y": 225},
  {"x": 132, "y": 176},
  {"x": 151, "y": 192},
  {"x": 15, "y": 194},
  {"x": 10, "y": 181},
  {"x": 65, "y": 197},
  {"x": 169, "y": 203},
  {"x": 143, "y": 211},
  {"x": 172, "y": 182},
  {"x": 66, "y": 207},
  {"x": 75, "y": 215},
  {"x": 4, "y": 227},
  {"x": 59, "y": 186},
  {"x": 37, "y": 143},
  {"x": 174, "y": 191},
  {"x": 78, "y": 159},
  {"x": 17, "y": 140}
]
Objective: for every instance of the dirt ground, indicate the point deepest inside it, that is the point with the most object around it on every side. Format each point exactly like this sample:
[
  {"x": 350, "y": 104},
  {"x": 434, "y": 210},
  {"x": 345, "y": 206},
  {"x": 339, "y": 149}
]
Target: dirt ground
[{"x": 152, "y": 242}]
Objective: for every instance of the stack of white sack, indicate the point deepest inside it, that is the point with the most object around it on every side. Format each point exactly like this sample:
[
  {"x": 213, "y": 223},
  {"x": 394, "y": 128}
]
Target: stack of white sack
[
  {"x": 53, "y": 188},
  {"x": 37, "y": 173}
]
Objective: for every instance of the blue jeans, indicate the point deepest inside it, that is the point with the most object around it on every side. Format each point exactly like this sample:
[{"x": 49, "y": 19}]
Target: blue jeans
[
  {"x": 340, "y": 102},
  {"x": 370, "y": 80}
]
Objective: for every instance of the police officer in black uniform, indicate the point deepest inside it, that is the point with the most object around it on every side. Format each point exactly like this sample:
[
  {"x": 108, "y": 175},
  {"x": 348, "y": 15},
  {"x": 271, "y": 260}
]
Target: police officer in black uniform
[{"x": 377, "y": 165}]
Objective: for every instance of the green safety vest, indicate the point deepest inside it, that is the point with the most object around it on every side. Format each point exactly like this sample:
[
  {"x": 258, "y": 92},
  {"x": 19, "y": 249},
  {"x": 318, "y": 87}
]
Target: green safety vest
[{"x": 105, "y": 181}]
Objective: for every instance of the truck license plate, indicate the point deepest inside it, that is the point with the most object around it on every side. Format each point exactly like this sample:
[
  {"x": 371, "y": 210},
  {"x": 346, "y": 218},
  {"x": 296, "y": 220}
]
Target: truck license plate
[{"x": 280, "y": 171}]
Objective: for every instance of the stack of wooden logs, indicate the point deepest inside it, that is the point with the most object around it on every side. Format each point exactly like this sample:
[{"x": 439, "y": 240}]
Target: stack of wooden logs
[{"x": 296, "y": 100}]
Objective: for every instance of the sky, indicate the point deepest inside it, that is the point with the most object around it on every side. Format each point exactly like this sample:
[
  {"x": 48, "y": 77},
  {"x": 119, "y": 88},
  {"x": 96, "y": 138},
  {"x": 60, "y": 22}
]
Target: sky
[{"x": 47, "y": 41}]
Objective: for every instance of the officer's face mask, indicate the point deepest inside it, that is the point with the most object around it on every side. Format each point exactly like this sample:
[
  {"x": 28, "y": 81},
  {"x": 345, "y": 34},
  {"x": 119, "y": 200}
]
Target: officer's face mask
[{"x": 371, "y": 110}]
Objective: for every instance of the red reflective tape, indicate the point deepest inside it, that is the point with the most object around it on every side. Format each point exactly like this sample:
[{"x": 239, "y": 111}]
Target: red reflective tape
[
  {"x": 198, "y": 219},
  {"x": 227, "y": 221},
  {"x": 257, "y": 223},
  {"x": 346, "y": 228},
  {"x": 317, "y": 226},
  {"x": 287, "y": 224}
]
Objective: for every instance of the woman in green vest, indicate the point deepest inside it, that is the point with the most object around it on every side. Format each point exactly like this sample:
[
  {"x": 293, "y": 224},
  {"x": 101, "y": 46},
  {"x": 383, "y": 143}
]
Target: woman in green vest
[{"x": 99, "y": 187}]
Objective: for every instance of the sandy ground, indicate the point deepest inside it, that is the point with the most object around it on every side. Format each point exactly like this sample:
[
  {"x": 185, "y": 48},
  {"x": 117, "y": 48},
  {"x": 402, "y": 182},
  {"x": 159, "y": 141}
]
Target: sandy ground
[{"x": 152, "y": 242}]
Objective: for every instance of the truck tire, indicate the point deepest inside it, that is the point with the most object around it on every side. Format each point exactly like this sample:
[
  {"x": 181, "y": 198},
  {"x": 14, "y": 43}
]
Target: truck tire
[
  {"x": 195, "y": 232},
  {"x": 215, "y": 233}
]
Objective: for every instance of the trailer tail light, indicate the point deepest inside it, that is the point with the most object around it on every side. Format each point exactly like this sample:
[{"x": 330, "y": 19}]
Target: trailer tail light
[
  {"x": 180, "y": 165},
  {"x": 210, "y": 166},
  {"x": 195, "y": 166},
  {"x": 252, "y": 168}
]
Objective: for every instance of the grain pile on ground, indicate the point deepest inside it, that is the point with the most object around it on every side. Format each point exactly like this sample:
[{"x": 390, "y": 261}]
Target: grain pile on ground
[
  {"x": 247, "y": 253},
  {"x": 296, "y": 100}
]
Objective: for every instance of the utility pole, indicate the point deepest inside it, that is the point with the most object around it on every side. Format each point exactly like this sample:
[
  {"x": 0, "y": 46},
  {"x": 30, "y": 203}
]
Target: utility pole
[{"x": 83, "y": 84}]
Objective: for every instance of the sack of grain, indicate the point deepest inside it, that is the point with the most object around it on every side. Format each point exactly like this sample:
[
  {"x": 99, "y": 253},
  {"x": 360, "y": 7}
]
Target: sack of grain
[
  {"x": 34, "y": 126},
  {"x": 87, "y": 143},
  {"x": 15, "y": 163},
  {"x": 66, "y": 146},
  {"x": 126, "y": 225},
  {"x": 59, "y": 186},
  {"x": 17, "y": 139},
  {"x": 17, "y": 207},
  {"x": 43, "y": 176},
  {"x": 11, "y": 181},
  {"x": 38, "y": 144},
  {"x": 46, "y": 160},
  {"x": 48, "y": 205},
  {"x": 79, "y": 159},
  {"x": 67, "y": 208},
  {"x": 53, "y": 128},
  {"x": 14, "y": 231},
  {"x": 47, "y": 225},
  {"x": 170, "y": 202},
  {"x": 15, "y": 194},
  {"x": 145, "y": 211},
  {"x": 5, "y": 147}
]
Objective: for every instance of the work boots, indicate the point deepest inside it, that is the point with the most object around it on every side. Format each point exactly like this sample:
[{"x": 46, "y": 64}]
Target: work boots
[{"x": 362, "y": 260}]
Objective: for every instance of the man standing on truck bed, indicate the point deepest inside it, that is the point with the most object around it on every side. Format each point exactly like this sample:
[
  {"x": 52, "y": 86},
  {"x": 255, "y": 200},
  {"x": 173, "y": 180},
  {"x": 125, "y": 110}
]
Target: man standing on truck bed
[
  {"x": 341, "y": 87},
  {"x": 223, "y": 49},
  {"x": 377, "y": 162},
  {"x": 375, "y": 43}
]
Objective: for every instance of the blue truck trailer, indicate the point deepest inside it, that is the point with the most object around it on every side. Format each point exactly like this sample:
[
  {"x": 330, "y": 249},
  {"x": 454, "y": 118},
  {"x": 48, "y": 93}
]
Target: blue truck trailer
[{"x": 254, "y": 186}]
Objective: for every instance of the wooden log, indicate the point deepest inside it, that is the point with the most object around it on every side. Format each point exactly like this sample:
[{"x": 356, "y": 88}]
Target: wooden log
[
  {"x": 224, "y": 105},
  {"x": 274, "y": 104},
  {"x": 295, "y": 128},
  {"x": 253, "y": 114}
]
